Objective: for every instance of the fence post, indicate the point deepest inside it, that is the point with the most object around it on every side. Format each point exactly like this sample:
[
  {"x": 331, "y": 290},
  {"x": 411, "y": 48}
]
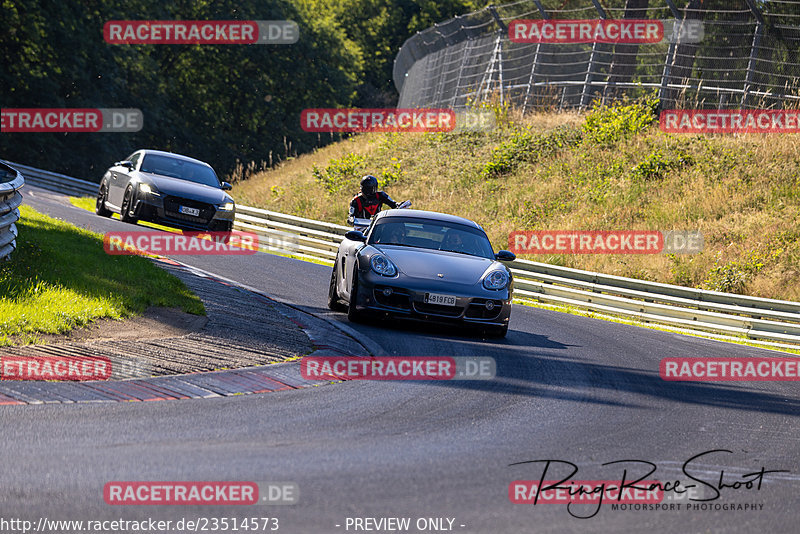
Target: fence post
[
  {"x": 535, "y": 65},
  {"x": 748, "y": 79},
  {"x": 446, "y": 53},
  {"x": 499, "y": 47},
  {"x": 467, "y": 52},
  {"x": 497, "y": 54},
  {"x": 662, "y": 92},
  {"x": 587, "y": 82}
]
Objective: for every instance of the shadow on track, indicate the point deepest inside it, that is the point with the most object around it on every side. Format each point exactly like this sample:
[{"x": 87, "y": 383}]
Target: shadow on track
[{"x": 526, "y": 367}]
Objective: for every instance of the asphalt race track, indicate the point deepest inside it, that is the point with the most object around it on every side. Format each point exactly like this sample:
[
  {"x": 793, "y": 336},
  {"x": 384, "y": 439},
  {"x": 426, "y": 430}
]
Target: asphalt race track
[{"x": 568, "y": 388}]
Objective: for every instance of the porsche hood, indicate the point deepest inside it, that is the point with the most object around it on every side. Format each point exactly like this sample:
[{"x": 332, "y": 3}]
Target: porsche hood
[{"x": 429, "y": 264}]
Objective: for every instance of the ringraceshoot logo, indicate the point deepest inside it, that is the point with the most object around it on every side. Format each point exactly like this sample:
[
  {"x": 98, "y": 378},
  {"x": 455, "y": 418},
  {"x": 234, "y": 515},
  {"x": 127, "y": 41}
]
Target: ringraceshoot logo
[
  {"x": 213, "y": 32},
  {"x": 62, "y": 120}
]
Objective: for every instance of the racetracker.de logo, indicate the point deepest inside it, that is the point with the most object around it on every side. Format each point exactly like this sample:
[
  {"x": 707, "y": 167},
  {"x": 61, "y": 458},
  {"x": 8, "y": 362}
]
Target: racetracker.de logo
[
  {"x": 398, "y": 368},
  {"x": 729, "y": 121},
  {"x": 633, "y": 31},
  {"x": 378, "y": 120},
  {"x": 583, "y": 491},
  {"x": 214, "y": 32},
  {"x": 200, "y": 493},
  {"x": 74, "y": 368},
  {"x": 39, "y": 120},
  {"x": 604, "y": 242},
  {"x": 730, "y": 369},
  {"x": 190, "y": 243}
]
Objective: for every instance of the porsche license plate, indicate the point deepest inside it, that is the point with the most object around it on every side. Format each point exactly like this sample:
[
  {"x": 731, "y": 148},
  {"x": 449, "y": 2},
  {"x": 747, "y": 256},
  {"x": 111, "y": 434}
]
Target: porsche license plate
[
  {"x": 442, "y": 300},
  {"x": 189, "y": 211}
]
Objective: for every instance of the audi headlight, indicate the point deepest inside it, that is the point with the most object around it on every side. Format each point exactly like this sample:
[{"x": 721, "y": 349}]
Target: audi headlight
[
  {"x": 145, "y": 188},
  {"x": 496, "y": 280},
  {"x": 382, "y": 265},
  {"x": 228, "y": 206}
]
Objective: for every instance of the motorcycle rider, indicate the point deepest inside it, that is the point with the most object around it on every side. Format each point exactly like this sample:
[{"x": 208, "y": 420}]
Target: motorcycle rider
[{"x": 369, "y": 201}]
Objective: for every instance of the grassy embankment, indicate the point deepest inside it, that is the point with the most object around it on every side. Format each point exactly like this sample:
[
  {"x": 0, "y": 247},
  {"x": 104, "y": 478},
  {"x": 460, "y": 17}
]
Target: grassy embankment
[
  {"x": 611, "y": 169},
  {"x": 60, "y": 278}
]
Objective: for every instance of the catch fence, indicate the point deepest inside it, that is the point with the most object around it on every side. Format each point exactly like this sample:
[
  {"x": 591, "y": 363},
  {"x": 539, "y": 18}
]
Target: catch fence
[{"x": 747, "y": 57}]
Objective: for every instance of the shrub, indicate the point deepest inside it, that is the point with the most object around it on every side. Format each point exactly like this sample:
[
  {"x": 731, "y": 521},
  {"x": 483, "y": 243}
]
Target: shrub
[
  {"x": 607, "y": 125},
  {"x": 655, "y": 165},
  {"x": 339, "y": 173},
  {"x": 525, "y": 147}
]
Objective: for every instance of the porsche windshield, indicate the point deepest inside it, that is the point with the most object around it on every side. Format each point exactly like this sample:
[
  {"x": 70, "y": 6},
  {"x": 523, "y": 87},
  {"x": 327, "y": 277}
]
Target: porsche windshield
[
  {"x": 431, "y": 234},
  {"x": 179, "y": 168}
]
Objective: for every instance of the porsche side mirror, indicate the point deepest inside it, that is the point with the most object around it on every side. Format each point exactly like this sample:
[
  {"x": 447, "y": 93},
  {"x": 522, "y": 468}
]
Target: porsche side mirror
[
  {"x": 127, "y": 164},
  {"x": 505, "y": 255},
  {"x": 225, "y": 186},
  {"x": 355, "y": 235}
]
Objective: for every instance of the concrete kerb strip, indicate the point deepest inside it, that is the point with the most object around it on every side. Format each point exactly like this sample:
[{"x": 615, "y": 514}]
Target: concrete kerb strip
[{"x": 328, "y": 338}]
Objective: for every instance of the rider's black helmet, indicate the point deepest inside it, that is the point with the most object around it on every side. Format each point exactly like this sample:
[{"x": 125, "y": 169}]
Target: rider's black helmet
[{"x": 369, "y": 185}]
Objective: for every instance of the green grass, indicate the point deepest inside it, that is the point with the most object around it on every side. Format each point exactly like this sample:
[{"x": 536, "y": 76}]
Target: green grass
[{"x": 59, "y": 278}]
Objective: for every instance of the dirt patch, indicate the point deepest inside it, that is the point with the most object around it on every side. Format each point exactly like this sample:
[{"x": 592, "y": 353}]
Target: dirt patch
[
  {"x": 155, "y": 323},
  {"x": 242, "y": 329}
]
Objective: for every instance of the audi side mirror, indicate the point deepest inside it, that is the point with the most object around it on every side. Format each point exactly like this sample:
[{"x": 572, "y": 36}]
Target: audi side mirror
[
  {"x": 505, "y": 255},
  {"x": 225, "y": 186}
]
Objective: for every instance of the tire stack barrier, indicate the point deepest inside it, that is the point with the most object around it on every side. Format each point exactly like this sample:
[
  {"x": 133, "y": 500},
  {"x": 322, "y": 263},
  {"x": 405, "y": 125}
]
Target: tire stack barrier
[{"x": 11, "y": 181}]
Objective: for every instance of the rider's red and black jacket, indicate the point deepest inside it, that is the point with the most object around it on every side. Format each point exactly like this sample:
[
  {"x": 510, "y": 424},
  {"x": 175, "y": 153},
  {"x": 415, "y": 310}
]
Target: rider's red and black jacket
[{"x": 363, "y": 207}]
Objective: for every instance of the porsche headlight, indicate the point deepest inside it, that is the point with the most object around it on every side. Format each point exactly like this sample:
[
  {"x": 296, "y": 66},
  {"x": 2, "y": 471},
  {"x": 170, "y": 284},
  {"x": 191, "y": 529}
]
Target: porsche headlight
[
  {"x": 145, "y": 188},
  {"x": 228, "y": 206},
  {"x": 382, "y": 265},
  {"x": 496, "y": 280}
]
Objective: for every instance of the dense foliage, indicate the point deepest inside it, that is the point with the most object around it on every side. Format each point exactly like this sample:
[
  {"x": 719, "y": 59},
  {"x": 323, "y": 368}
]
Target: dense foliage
[{"x": 230, "y": 105}]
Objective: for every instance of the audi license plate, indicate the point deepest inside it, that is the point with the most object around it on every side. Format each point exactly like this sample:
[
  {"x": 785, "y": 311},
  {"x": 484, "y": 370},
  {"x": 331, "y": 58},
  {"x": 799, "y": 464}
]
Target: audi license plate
[
  {"x": 442, "y": 300},
  {"x": 189, "y": 211}
]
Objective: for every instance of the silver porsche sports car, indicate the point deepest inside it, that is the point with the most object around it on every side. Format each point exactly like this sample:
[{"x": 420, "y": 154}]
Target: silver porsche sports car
[{"x": 423, "y": 265}]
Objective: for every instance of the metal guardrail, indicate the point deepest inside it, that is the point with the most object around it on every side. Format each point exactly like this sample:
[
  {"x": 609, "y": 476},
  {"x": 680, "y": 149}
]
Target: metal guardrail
[
  {"x": 53, "y": 181},
  {"x": 767, "y": 320},
  {"x": 11, "y": 180}
]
